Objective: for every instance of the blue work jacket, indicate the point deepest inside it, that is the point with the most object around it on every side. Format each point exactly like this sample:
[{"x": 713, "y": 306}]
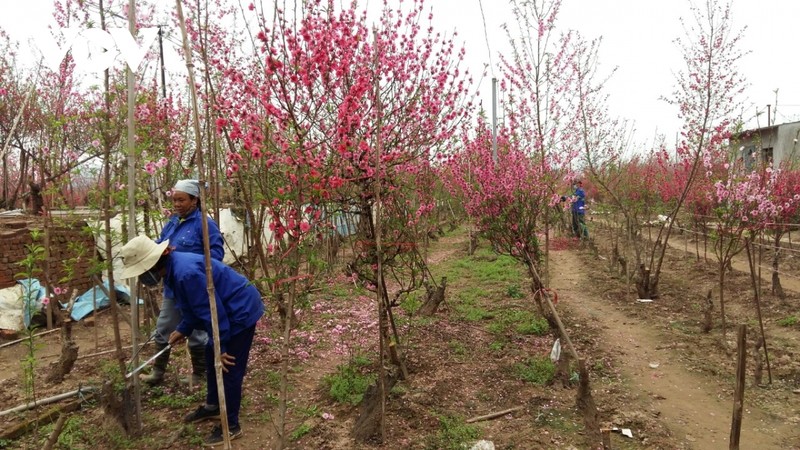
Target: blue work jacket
[
  {"x": 186, "y": 235},
  {"x": 239, "y": 304},
  {"x": 579, "y": 205}
]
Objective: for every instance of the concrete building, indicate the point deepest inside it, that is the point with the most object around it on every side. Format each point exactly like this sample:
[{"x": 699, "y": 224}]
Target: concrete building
[{"x": 773, "y": 144}]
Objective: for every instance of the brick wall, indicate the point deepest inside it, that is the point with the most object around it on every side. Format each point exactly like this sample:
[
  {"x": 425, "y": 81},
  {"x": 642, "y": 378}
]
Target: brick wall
[{"x": 71, "y": 250}]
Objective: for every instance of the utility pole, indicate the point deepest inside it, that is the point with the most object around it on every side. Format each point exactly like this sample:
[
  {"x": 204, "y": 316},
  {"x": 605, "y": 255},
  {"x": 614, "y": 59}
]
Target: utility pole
[
  {"x": 494, "y": 120},
  {"x": 769, "y": 115},
  {"x": 161, "y": 57}
]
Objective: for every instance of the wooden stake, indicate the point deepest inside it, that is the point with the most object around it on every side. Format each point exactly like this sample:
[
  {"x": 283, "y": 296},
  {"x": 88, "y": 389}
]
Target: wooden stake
[
  {"x": 738, "y": 396},
  {"x": 51, "y": 441}
]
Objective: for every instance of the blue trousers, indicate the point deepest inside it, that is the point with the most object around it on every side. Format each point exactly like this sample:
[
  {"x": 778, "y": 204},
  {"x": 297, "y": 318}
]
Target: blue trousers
[
  {"x": 168, "y": 319},
  {"x": 238, "y": 347}
]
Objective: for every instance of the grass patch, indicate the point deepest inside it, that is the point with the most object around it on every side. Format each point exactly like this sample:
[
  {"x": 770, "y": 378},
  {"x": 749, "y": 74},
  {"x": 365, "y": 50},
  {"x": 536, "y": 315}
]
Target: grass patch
[
  {"x": 536, "y": 325},
  {"x": 453, "y": 434},
  {"x": 521, "y": 322},
  {"x": 308, "y": 411},
  {"x": 175, "y": 401},
  {"x": 398, "y": 390},
  {"x": 681, "y": 327},
  {"x": 349, "y": 383},
  {"x": 557, "y": 421},
  {"x": 472, "y": 313},
  {"x": 73, "y": 435},
  {"x": 272, "y": 378},
  {"x": 423, "y": 321},
  {"x": 300, "y": 431},
  {"x": 485, "y": 266},
  {"x": 514, "y": 291},
  {"x": 789, "y": 321},
  {"x": 497, "y": 346},
  {"x": 411, "y": 303},
  {"x": 458, "y": 348},
  {"x": 472, "y": 296},
  {"x": 539, "y": 370}
]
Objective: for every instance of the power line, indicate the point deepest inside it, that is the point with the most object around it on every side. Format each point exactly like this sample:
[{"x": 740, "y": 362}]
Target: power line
[{"x": 486, "y": 36}]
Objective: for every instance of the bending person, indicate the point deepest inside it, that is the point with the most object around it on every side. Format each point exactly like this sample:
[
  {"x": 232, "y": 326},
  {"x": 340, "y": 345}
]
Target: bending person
[
  {"x": 238, "y": 304},
  {"x": 185, "y": 233}
]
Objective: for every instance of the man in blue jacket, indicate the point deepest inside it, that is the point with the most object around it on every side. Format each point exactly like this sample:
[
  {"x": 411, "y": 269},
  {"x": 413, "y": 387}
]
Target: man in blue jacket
[
  {"x": 185, "y": 233},
  {"x": 239, "y": 306},
  {"x": 579, "y": 210}
]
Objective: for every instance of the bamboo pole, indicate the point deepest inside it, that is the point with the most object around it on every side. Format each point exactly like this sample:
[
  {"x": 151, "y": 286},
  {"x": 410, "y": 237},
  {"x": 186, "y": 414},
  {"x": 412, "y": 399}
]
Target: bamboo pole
[
  {"x": 494, "y": 415},
  {"x": 751, "y": 261},
  {"x": 204, "y": 213},
  {"x": 17, "y": 341},
  {"x": 378, "y": 250},
  {"x": 137, "y": 394},
  {"x": 48, "y": 400},
  {"x": 112, "y": 294}
]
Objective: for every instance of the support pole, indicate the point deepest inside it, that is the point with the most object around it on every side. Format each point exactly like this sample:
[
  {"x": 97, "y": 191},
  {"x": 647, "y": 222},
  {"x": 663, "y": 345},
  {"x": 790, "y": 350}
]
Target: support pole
[
  {"x": 132, "y": 283},
  {"x": 187, "y": 50},
  {"x": 738, "y": 395}
]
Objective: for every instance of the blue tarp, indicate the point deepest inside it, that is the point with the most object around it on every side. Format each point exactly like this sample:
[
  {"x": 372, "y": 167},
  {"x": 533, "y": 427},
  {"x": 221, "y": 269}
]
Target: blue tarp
[
  {"x": 32, "y": 294},
  {"x": 84, "y": 305}
]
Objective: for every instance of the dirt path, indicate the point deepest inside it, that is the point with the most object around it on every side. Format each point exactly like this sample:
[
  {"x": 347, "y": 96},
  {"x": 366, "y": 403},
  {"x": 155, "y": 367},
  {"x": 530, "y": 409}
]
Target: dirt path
[{"x": 695, "y": 408}]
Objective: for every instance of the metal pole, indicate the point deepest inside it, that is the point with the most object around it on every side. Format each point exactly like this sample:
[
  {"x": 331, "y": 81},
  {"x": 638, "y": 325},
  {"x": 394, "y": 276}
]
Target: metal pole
[{"x": 494, "y": 120}]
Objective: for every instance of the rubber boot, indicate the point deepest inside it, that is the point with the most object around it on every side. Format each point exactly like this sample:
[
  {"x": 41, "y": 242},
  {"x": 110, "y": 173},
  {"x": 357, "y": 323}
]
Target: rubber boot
[
  {"x": 156, "y": 376},
  {"x": 198, "y": 356}
]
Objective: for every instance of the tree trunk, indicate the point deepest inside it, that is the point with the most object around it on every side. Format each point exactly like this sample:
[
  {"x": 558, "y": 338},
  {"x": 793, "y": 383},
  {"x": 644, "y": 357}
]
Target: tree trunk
[
  {"x": 708, "y": 318},
  {"x": 36, "y": 200},
  {"x": 586, "y": 405},
  {"x": 646, "y": 286},
  {"x": 434, "y": 298},
  {"x": 367, "y": 426},
  {"x": 69, "y": 354},
  {"x": 777, "y": 289},
  {"x": 722, "y": 297}
]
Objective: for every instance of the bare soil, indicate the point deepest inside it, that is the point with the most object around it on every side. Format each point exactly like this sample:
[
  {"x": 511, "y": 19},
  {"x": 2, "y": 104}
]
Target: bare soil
[{"x": 651, "y": 368}]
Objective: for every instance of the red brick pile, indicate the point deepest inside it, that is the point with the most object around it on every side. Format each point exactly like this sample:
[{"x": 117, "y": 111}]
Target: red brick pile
[{"x": 71, "y": 252}]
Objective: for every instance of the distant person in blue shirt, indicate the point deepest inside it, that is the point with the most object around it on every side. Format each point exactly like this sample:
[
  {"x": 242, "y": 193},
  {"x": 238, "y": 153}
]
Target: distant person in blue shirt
[
  {"x": 185, "y": 233},
  {"x": 578, "y": 210},
  {"x": 239, "y": 307}
]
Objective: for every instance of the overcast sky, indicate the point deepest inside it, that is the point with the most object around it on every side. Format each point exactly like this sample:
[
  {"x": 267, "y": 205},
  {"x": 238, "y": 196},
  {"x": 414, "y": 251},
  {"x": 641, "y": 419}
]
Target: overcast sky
[{"x": 638, "y": 39}]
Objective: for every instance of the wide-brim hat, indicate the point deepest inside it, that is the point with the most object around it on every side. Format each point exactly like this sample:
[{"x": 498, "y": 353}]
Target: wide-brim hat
[{"x": 139, "y": 255}]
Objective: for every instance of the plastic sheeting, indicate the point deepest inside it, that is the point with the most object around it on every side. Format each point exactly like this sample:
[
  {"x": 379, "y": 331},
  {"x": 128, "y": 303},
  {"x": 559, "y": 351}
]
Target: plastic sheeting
[
  {"x": 33, "y": 295},
  {"x": 85, "y": 304}
]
